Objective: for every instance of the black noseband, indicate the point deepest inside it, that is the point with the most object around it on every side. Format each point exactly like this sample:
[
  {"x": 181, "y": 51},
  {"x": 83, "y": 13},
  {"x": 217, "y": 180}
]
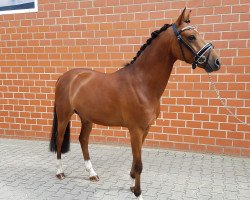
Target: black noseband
[{"x": 199, "y": 57}]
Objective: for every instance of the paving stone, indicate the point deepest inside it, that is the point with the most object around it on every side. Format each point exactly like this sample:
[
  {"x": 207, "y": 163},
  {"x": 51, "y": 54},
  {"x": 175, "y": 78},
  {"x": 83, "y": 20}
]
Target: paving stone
[
  {"x": 244, "y": 193},
  {"x": 28, "y": 172}
]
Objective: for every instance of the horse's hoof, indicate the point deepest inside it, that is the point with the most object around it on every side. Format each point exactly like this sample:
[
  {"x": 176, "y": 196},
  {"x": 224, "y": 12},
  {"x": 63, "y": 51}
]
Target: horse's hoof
[
  {"x": 60, "y": 176},
  {"x": 94, "y": 178},
  {"x": 137, "y": 193}
]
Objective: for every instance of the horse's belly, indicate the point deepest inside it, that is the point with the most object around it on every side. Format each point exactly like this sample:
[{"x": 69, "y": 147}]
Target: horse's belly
[
  {"x": 97, "y": 101},
  {"x": 103, "y": 115}
]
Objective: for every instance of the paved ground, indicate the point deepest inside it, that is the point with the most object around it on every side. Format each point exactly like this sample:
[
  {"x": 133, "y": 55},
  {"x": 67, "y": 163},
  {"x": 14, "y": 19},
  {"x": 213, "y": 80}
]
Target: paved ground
[{"x": 27, "y": 172}]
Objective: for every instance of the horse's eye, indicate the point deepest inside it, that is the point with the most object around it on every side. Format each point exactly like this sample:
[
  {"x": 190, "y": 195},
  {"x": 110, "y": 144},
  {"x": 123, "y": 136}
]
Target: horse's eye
[{"x": 191, "y": 38}]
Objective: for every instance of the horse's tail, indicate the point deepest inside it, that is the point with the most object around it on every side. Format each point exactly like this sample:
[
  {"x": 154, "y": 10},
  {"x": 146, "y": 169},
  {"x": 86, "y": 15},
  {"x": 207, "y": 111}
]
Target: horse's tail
[{"x": 66, "y": 141}]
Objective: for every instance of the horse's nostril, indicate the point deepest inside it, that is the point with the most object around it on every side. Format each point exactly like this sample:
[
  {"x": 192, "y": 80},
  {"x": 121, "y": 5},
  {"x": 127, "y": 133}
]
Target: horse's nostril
[{"x": 217, "y": 63}]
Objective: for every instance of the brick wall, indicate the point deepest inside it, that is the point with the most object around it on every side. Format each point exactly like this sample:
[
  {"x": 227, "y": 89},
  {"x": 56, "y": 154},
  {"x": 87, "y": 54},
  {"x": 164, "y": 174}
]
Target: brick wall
[{"x": 36, "y": 48}]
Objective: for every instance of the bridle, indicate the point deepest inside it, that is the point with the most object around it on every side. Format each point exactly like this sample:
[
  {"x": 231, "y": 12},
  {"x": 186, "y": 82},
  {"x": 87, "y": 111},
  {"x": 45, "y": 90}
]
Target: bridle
[{"x": 199, "y": 57}]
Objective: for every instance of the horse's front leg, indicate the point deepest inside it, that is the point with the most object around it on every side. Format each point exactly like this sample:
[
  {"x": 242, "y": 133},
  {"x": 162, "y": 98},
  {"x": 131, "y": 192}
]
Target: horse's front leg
[
  {"x": 137, "y": 136},
  {"x": 132, "y": 172}
]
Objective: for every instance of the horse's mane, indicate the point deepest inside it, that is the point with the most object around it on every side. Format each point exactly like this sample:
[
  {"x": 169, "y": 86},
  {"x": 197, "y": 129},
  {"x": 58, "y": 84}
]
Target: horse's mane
[{"x": 143, "y": 47}]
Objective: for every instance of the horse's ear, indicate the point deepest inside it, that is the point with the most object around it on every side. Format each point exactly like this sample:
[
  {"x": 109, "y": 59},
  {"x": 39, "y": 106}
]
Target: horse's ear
[
  {"x": 187, "y": 18},
  {"x": 181, "y": 18}
]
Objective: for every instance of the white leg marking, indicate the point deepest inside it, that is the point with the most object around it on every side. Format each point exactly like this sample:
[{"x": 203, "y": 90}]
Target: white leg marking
[
  {"x": 89, "y": 168},
  {"x": 132, "y": 182},
  {"x": 140, "y": 197},
  {"x": 59, "y": 167}
]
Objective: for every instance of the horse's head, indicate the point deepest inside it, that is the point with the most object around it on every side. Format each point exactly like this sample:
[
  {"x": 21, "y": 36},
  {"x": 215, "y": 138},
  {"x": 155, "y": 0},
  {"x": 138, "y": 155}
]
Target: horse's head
[{"x": 190, "y": 47}]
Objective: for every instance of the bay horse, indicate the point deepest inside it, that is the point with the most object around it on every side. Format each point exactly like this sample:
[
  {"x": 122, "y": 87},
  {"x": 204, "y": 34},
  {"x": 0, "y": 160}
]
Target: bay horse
[{"x": 129, "y": 97}]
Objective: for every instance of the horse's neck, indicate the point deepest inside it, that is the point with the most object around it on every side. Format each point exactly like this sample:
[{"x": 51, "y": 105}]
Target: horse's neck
[{"x": 153, "y": 67}]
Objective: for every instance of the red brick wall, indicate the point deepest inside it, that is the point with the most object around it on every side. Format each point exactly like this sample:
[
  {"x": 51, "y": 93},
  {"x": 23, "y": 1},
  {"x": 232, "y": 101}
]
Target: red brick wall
[{"x": 36, "y": 48}]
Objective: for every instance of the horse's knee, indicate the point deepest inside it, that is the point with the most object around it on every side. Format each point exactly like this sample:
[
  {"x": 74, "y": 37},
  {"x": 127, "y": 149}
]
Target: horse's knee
[{"x": 138, "y": 167}]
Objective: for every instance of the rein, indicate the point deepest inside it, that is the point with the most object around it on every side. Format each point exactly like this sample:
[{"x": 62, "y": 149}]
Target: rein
[
  {"x": 199, "y": 57},
  {"x": 223, "y": 102}
]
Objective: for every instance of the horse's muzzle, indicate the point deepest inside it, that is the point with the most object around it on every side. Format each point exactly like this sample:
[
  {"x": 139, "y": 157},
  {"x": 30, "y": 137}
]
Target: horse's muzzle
[{"x": 211, "y": 67}]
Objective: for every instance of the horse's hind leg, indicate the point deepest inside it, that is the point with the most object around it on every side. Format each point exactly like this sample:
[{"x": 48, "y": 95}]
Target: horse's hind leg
[
  {"x": 63, "y": 122},
  {"x": 84, "y": 141}
]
